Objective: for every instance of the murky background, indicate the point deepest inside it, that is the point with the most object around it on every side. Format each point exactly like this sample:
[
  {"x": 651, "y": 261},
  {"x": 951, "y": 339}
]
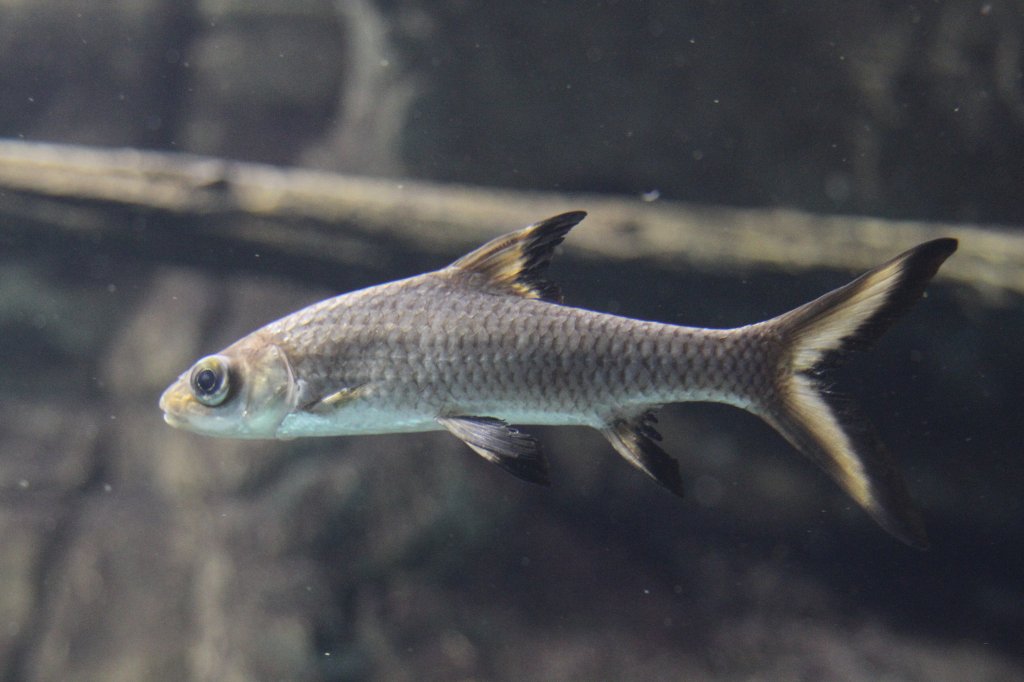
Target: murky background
[{"x": 131, "y": 551}]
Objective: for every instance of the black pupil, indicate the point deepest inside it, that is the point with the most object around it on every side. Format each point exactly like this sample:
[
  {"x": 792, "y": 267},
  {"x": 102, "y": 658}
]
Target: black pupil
[{"x": 207, "y": 381}]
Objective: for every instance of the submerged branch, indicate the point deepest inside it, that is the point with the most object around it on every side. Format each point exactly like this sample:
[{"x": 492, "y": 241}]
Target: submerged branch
[{"x": 342, "y": 217}]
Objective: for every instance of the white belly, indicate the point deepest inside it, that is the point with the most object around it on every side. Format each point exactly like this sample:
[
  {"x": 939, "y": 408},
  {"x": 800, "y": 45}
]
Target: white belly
[{"x": 365, "y": 420}]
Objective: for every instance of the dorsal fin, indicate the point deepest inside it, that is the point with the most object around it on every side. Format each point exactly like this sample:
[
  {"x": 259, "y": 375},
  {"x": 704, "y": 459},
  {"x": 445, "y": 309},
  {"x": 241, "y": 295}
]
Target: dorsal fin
[{"x": 515, "y": 263}]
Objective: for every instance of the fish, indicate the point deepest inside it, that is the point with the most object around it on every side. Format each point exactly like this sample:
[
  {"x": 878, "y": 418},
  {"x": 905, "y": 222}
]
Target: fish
[{"x": 486, "y": 345}]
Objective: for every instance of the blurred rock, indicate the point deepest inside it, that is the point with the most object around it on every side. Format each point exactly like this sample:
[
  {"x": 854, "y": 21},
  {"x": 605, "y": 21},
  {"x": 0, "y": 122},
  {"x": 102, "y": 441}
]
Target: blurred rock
[
  {"x": 96, "y": 73},
  {"x": 869, "y": 108},
  {"x": 262, "y": 79}
]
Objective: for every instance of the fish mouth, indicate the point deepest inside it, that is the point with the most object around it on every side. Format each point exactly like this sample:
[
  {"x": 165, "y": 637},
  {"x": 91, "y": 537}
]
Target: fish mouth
[
  {"x": 171, "y": 420},
  {"x": 171, "y": 405}
]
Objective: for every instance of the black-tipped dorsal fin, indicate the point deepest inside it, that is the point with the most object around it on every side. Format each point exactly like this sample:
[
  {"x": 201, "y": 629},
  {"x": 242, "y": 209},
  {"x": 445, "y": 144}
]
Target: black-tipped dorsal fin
[{"x": 515, "y": 263}]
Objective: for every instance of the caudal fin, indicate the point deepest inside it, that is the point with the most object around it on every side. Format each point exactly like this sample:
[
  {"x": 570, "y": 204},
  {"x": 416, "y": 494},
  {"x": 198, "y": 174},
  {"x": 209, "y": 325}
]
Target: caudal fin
[{"x": 822, "y": 425}]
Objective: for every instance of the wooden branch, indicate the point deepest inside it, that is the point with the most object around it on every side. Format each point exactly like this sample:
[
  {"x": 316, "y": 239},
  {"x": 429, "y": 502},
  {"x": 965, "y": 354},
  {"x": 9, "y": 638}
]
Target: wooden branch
[{"x": 341, "y": 217}]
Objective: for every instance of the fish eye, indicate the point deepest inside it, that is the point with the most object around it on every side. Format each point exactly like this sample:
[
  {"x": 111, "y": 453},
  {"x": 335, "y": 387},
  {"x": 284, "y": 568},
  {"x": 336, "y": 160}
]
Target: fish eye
[{"x": 210, "y": 380}]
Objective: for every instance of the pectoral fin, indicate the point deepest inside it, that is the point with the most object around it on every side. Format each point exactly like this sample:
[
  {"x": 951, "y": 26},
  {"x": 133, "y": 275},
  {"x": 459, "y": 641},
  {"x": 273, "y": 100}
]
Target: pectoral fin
[
  {"x": 335, "y": 400},
  {"x": 514, "y": 451},
  {"x": 634, "y": 438}
]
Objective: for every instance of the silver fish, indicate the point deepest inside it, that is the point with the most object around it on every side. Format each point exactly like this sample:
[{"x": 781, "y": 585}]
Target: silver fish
[{"x": 485, "y": 343}]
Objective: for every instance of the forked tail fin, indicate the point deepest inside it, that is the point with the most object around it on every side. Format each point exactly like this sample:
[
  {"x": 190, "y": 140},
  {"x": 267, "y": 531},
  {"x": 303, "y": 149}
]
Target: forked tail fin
[{"x": 823, "y": 426}]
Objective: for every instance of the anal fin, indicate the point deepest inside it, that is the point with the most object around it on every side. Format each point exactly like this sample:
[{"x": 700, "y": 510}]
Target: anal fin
[
  {"x": 514, "y": 451},
  {"x": 635, "y": 439}
]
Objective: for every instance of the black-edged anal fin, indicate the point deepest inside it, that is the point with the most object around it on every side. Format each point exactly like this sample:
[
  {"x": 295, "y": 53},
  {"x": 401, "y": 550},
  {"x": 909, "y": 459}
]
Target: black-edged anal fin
[
  {"x": 514, "y": 451},
  {"x": 635, "y": 439},
  {"x": 515, "y": 263}
]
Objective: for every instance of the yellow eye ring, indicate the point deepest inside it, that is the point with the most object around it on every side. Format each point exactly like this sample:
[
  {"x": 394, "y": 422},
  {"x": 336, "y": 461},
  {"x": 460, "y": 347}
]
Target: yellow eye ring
[{"x": 210, "y": 380}]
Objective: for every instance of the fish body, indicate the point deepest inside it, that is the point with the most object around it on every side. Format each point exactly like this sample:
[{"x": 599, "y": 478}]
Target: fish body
[
  {"x": 431, "y": 346},
  {"x": 485, "y": 343}
]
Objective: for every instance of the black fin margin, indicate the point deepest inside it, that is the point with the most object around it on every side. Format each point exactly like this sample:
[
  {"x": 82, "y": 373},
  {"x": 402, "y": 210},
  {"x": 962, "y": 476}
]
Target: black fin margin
[
  {"x": 517, "y": 262},
  {"x": 635, "y": 439},
  {"x": 912, "y": 270},
  {"x": 826, "y": 427},
  {"x": 862, "y": 466},
  {"x": 918, "y": 267},
  {"x": 493, "y": 439},
  {"x": 540, "y": 247}
]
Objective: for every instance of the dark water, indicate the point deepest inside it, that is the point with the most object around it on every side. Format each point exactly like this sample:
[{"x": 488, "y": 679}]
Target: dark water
[{"x": 132, "y": 551}]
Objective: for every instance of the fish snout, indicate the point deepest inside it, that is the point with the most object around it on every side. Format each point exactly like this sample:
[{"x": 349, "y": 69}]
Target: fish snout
[{"x": 174, "y": 403}]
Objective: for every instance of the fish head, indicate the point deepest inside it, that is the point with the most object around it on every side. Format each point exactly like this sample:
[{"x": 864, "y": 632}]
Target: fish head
[{"x": 245, "y": 391}]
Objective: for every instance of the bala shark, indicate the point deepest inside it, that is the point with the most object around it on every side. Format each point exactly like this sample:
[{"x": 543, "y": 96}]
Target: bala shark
[{"x": 485, "y": 343}]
